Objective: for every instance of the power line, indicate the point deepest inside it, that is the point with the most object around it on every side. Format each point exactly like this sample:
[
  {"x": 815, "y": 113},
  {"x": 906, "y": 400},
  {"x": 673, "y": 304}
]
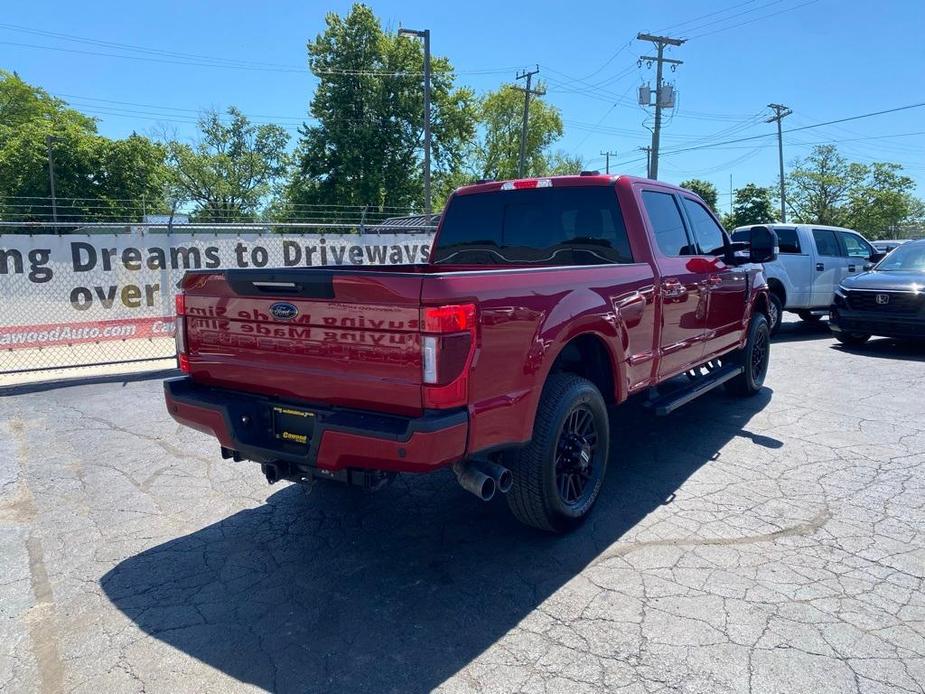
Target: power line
[
  {"x": 141, "y": 49},
  {"x": 197, "y": 60},
  {"x": 149, "y": 59},
  {"x": 166, "y": 108},
  {"x": 694, "y": 20},
  {"x": 756, "y": 19},
  {"x": 832, "y": 140},
  {"x": 590, "y": 89},
  {"x": 608, "y": 61},
  {"x": 794, "y": 130},
  {"x": 766, "y": 5}
]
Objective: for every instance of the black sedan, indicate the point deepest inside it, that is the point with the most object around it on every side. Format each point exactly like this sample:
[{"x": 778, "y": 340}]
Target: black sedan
[{"x": 889, "y": 300}]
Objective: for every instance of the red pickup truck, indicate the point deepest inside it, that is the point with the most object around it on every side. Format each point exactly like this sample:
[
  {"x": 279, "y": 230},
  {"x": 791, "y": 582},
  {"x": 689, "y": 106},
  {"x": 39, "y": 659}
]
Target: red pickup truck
[{"x": 543, "y": 302}]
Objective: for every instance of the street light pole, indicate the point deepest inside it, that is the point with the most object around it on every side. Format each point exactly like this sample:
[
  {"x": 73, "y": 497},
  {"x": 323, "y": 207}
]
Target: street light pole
[{"x": 424, "y": 34}]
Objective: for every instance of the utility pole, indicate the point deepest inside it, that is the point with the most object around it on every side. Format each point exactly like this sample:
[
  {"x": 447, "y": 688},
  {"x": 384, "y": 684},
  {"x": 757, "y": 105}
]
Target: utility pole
[
  {"x": 648, "y": 151},
  {"x": 607, "y": 156},
  {"x": 49, "y": 139},
  {"x": 424, "y": 34},
  {"x": 528, "y": 92},
  {"x": 780, "y": 112},
  {"x": 731, "y": 194},
  {"x": 660, "y": 97}
]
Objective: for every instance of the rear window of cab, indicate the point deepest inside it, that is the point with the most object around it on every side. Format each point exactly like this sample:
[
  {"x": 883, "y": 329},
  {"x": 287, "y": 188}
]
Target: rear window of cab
[{"x": 544, "y": 226}]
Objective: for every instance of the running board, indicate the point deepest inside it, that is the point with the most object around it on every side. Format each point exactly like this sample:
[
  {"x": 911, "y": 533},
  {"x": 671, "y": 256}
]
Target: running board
[{"x": 669, "y": 402}]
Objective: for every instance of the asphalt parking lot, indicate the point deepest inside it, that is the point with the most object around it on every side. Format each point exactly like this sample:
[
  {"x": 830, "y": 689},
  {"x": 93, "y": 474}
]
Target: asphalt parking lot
[{"x": 768, "y": 545}]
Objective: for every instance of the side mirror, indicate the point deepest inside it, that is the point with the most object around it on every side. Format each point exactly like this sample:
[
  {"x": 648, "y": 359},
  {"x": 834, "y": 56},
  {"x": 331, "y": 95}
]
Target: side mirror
[
  {"x": 877, "y": 256},
  {"x": 762, "y": 245}
]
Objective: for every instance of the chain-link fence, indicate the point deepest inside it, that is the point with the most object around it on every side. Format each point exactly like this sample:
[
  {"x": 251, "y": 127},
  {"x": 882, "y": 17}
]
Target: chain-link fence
[{"x": 103, "y": 294}]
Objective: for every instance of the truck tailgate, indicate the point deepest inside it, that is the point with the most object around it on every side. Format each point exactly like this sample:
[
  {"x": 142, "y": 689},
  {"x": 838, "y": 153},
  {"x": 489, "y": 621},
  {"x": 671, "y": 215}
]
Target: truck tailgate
[{"x": 341, "y": 337}]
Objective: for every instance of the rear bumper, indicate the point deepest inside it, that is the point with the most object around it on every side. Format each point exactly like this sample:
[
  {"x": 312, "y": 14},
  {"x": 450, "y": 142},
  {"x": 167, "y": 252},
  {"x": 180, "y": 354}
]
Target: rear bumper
[
  {"x": 342, "y": 439},
  {"x": 844, "y": 320}
]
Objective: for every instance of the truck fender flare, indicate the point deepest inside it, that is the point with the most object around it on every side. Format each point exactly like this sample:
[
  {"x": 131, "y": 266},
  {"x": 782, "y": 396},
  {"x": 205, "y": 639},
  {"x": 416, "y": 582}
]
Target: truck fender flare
[{"x": 551, "y": 340}]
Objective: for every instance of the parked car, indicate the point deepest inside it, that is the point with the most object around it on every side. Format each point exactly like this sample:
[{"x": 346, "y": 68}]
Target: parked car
[
  {"x": 888, "y": 301},
  {"x": 543, "y": 302},
  {"x": 888, "y": 245},
  {"x": 812, "y": 260}
]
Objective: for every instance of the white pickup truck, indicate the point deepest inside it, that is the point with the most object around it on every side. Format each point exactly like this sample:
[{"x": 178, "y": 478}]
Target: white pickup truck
[{"x": 813, "y": 259}]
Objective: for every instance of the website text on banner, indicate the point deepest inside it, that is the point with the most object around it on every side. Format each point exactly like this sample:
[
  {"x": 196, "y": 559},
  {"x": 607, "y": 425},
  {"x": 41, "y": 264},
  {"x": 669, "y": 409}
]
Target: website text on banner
[{"x": 74, "y": 300}]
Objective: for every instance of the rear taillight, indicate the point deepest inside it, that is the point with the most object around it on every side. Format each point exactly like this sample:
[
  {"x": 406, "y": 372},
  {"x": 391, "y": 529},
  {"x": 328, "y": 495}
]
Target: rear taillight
[
  {"x": 447, "y": 347},
  {"x": 180, "y": 334}
]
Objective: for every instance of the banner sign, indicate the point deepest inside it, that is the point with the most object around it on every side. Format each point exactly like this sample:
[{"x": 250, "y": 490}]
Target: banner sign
[{"x": 60, "y": 290}]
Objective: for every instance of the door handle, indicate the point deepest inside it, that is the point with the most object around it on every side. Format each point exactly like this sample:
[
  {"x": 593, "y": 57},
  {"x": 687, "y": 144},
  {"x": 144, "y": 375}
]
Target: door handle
[
  {"x": 851, "y": 268},
  {"x": 820, "y": 267}
]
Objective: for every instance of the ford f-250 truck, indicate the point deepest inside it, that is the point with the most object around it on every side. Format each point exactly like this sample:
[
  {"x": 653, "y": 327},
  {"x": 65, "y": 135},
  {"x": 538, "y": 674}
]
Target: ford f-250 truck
[{"x": 543, "y": 302}]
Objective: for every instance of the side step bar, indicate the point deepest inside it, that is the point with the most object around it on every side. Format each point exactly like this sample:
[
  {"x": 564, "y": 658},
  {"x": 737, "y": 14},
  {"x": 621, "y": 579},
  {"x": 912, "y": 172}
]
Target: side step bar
[{"x": 669, "y": 402}]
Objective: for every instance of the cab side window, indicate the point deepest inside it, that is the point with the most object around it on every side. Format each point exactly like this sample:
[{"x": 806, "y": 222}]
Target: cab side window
[
  {"x": 667, "y": 223},
  {"x": 855, "y": 246},
  {"x": 710, "y": 237},
  {"x": 826, "y": 243}
]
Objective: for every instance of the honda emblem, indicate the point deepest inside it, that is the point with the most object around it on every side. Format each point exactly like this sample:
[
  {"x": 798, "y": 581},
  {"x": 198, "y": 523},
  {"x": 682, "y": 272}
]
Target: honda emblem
[{"x": 883, "y": 299}]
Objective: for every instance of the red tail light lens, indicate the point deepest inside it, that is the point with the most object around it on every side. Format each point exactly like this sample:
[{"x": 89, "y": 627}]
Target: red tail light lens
[
  {"x": 449, "y": 319},
  {"x": 180, "y": 333},
  {"x": 448, "y": 345}
]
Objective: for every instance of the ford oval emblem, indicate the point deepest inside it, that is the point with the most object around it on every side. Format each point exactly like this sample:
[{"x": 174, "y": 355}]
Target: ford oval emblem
[{"x": 284, "y": 311}]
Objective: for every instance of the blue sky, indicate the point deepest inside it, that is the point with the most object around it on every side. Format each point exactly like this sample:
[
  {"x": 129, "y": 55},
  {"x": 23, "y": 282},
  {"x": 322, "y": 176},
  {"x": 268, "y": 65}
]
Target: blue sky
[{"x": 826, "y": 59}]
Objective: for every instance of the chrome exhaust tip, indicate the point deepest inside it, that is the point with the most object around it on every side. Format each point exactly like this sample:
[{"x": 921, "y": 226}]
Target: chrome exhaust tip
[
  {"x": 502, "y": 476},
  {"x": 475, "y": 481}
]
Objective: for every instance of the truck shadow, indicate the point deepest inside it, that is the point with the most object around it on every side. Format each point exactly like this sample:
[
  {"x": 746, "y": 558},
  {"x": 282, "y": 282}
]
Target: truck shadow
[
  {"x": 801, "y": 331},
  {"x": 339, "y": 591}
]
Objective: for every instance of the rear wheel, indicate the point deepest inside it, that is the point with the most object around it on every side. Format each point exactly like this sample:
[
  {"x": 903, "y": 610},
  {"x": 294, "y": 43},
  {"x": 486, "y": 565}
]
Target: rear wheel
[
  {"x": 558, "y": 475},
  {"x": 754, "y": 357},
  {"x": 852, "y": 339}
]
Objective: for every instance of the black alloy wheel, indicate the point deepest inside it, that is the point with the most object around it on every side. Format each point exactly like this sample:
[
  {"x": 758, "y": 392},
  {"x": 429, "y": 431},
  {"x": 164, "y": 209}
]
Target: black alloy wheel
[{"x": 575, "y": 455}]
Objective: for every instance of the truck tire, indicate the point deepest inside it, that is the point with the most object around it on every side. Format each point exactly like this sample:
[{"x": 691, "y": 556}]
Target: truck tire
[
  {"x": 852, "y": 339},
  {"x": 775, "y": 313},
  {"x": 558, "y": 475},
  {"x": 754, "y": 357}
]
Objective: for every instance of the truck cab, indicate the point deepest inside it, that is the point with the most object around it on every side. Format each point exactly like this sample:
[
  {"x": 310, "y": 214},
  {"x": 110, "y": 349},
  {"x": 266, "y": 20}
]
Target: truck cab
[{"x": 813, "y": 259}]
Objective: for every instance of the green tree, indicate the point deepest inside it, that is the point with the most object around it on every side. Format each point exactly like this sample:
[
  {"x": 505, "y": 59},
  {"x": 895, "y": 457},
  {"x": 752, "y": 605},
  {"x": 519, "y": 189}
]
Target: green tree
[
  {"x": 706, "y": 190},
  {"x": 500, "y": 120},
  {"x": 22, "y": 103},
  {"x": 366, "y": 145},
  {"x": 819, "y": 186},
  {"x": 914, "y": 224},
  {"x": 229, "y": 172},
  {"x": 882, "y": 202},
  {"x": 751, "y": 204},
  {"x": 96, "y": 178},
  {"x": 562, "y": 163}
]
